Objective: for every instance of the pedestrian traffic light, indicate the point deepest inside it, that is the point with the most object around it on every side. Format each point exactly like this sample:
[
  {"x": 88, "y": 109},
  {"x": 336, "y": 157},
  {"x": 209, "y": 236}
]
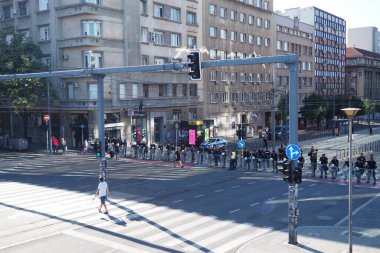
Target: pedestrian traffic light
[
  {"x": 194, "y": 65},
  {"x": 298, "y": 175},
  {"x": 287, "y": 172}
]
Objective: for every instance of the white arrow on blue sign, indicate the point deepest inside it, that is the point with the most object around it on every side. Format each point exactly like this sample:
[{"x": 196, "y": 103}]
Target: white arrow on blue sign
[
  {"x": 241, "y": 144},
  {"x": 293, "y": 152}
]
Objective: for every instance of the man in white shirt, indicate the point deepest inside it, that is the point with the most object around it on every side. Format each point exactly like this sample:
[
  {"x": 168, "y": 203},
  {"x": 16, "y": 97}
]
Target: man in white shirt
[{"x": 102, "y": 191}]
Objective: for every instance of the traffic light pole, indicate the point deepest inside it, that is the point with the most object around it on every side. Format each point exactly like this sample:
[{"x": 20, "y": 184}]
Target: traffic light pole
[{"x": 293, "y": 139}]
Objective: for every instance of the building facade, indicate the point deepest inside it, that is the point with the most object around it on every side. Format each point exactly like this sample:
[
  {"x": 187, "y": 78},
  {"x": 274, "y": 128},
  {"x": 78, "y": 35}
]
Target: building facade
[
  {"x": 295, "y": 37},
  {"x": 329, "y": 48},
  {"x": 363, "y": 74},
  {"x": 237, "y": 96},
  {"x": 77, "y": 34},
  {"x": 367, "y": 38}
]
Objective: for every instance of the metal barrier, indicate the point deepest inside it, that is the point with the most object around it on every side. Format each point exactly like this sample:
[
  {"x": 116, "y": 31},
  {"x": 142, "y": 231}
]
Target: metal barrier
[{"x": 356, "y": 150}]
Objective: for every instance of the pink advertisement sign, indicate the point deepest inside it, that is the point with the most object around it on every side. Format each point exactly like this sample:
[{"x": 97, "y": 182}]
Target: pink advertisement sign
[{"x": 192, "y": 137}]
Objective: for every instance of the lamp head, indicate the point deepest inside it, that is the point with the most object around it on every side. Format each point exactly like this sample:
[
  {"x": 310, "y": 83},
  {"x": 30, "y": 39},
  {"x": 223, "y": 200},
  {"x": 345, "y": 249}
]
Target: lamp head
[{"x": 350, "y": 112}]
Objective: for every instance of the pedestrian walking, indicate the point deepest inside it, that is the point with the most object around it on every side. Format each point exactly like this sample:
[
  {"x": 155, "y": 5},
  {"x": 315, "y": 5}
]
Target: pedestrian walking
[
  {"x": 324, "y": 161},
  {"x": 233, "y": 160},
  {"x": 192, "y": 152},
  {"x": 152, "y": 151},
  {"x": 178, "y": 158},
  {"x": 55, "y": 144},
  {"x": 334, "y": 166},
  {"x": 64, "y": 145},
  {"x": 371, "y": 165},
  {"x": 102, "y": 191}
]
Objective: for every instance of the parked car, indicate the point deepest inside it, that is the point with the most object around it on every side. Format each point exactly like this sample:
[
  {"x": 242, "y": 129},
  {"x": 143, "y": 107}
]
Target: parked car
[
  {"x": 214, "y": 142},
  {"x": 281, "y": 132}
]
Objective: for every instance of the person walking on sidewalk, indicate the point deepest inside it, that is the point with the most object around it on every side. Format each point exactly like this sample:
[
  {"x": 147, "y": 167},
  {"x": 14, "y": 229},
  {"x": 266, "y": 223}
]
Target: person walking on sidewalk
[
  {"x": 324, "y": 161},
  {"x": 371, "y": 165},
  {"x": 102, "y": 192},
  {"x": 64, "y": 145}
]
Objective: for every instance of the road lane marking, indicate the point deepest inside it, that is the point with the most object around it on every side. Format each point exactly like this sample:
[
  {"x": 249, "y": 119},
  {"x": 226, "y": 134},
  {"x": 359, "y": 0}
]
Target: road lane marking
[
  {"x": 219, "y": 190},
  {"x": 177, "y": 201},
  {"x": 254, "y": 204},
  {"x": 285, "y": 194},
  {"x": 253, "y": 182},
  {"x": 357, "y": 210},
  {"x": 300, "y": 189},
  {"x": 236, "y": 186},
  {"x": 271, "y": 199},
  {"x": 312, "y": 185},
  {"x": 198, "y": 196},
  {"x": 234, "y": 211}
]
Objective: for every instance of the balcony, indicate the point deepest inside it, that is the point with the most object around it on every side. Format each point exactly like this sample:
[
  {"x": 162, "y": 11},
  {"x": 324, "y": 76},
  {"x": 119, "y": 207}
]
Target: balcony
[
  {"x": 88, "y": 41},
  {"x": 85, "y": 8}
]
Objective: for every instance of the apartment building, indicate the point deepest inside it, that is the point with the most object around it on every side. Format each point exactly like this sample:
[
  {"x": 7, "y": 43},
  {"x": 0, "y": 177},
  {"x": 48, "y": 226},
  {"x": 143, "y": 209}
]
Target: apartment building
[
  {"x": 367, "y": 38},
  {"x": 240, "y": 96},
  {"x": 363, "y": 74},
  {"x": 77, "y": 34},
  {"x": 329, "y": 48},
  {"x": 294, "y": 37}
]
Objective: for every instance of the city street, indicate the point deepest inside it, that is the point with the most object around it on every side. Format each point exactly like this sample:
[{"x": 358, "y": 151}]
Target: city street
[{"x": 153, "y": 207}]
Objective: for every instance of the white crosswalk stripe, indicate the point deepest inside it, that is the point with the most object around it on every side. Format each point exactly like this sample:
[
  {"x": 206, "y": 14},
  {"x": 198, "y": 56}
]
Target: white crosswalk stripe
[{"x": 130, "y": 216}]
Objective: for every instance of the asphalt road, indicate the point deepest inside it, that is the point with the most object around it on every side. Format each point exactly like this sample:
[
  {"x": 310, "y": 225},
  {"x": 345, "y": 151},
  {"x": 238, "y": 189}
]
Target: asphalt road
[{"x": 46, "y": 206}]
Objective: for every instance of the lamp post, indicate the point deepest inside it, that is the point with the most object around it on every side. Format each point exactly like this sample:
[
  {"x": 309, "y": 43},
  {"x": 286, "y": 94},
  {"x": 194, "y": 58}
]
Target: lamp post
[{"x": 350, "y": 113}]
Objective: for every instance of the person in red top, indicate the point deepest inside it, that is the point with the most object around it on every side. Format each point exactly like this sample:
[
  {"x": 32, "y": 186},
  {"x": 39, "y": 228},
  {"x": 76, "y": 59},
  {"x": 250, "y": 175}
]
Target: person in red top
[{"x": 55, "y": 144}]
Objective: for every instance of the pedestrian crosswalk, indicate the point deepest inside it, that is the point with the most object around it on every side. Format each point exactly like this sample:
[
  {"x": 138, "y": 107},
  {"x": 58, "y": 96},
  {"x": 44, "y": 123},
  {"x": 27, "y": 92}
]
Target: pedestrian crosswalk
[{"x": 134, "y": 224}]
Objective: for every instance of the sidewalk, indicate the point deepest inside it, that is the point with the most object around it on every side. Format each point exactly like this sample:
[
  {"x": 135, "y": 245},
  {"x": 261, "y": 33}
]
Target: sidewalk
[{"x": 316, "y": 239}]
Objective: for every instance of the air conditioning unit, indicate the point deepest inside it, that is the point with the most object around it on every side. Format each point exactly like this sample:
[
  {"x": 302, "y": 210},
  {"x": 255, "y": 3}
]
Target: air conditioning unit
[
  {"x": 152, "y": 36},
  {"x": 65, "y": 57},
  {"x": 76, "y": 85}
]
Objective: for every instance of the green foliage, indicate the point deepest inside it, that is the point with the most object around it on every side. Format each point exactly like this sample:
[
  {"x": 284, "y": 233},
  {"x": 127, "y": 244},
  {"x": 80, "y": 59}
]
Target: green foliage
[{"x": 21, "y": 56}]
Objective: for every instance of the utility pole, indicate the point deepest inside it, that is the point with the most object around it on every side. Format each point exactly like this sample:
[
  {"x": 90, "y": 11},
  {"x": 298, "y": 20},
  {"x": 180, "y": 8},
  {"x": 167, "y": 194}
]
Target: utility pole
[
  {"x": 273, "y": 107},
  {"x": 49, "y": 122}
]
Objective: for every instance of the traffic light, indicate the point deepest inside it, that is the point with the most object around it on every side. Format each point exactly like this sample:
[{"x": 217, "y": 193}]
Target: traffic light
[
  {"x": 194, "y": 65},
  {"x": 287, "y": 171},
  {"x": 298, "y": 175}
]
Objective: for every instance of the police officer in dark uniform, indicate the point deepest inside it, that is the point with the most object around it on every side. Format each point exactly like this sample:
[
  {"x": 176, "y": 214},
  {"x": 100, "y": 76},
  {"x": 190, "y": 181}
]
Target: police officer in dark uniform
[
  {"x": 152, "y": 150},
  {"x": 324, "y": 161},
  {"x": 371, "y": 165}
]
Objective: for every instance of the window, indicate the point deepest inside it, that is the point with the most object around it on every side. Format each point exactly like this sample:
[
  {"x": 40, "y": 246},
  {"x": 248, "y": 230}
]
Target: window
[
  {"x": 214, "y": 98},
  {"x": 177, "y": 114},
  {"x": 134, "y": 90},
  {"x": 258, "y": 79},
  {"x": 144, "y": 60},
  {"x": 251, "y": 39},
  {"x": 191, "y": 18},
  {"x": 242, "y": 77},
  {"x": 23, "y": 8},
  {"x": 212, "y": 31},
  {"x": 122, "y": 94},
  {"x": 213, "y": 75},
  {"x": 267, "y": 24},
  {"x": 43, "y": 5},
  {"x": 7, "y": 10},
  {"x": 146, "y": 90},
  {"x": 250, "y": 20},
  {"x": 44, "y": 33},
  {"x": 158, "y": 38},
  {"x": 279, "y": 45},
  {"x": 223, "y": 76},
  {"x": 223, "y": 55},
  {"x": 243, "y": 37},
  {"x": 267, "y": 42},
  {"x": 242, "y": 17},
  {"x": 225, "y": 98},
  {"x": 223, "y": 34},
  {"x": 223, "y": 12},
  {"x": 184, "y": 90},
  {"x": 266, "y": 5},
  {"x": 143, "y": 7},
  {"x": 213, "y": 54},
  {"x": 93, "y": 1},
  {"x": 192, "y": 113},
  {"x": 286, "y": 46},
  {"x": 191, "y": 42},
  {"x": 159, "y": 60},
  {"x": 175, "y": 14},
  {"x": 233, "y": 36},
  {"x": 174, "y": 90},
  {"x": 70, "y": 91},
  {"x": 93, "y": 91},
  {"x": 91, "y": 28},
  {"x": 267, "y": 78},
  {"x": 233, "y": 55},
  {"x": 233, "y": 97},
  {"x": 8, "y": 38},
  {"x": 233, "y": 77},
  {"x": 258, "y": 40},
  {"x": 162, "y": 92},
  {"x": 259, "y": 22},
  {"x": 212, "y": 9},
  {"x": 175, "y": 40},
  {"x": 193, "y": 90},
  {"x": 144, "y": 35},
  {"x": 233, "y": 15},
  {"x": 258, "y": 3},
  {"x": 158, "y": 11},
  {"x": 92, "y": 59}
]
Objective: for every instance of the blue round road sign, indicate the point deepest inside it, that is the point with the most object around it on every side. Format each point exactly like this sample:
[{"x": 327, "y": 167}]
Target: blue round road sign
[
  {"x": 293, "y": 152},
  {"x": 241, "y": 144}
]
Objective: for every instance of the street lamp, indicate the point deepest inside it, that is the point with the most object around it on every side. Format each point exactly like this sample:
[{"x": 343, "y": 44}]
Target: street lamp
[{"x": 350, "y": 113}]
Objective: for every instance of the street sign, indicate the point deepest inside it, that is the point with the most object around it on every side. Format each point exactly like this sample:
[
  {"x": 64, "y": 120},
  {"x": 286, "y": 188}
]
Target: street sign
[
  {"x": 46, "y": 117},
  {"x": 241, "y": 144},
  {"x": 293, "y": 152},
  {"x": 81, "y": 126}
]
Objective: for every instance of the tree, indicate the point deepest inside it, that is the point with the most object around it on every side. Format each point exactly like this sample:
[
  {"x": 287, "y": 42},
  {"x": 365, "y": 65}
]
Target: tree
[{"x": 20, "y": 56}]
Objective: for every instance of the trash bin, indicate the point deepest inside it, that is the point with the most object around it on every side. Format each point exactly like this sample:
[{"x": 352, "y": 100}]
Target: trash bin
[{"x": 20, "y": 144}]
